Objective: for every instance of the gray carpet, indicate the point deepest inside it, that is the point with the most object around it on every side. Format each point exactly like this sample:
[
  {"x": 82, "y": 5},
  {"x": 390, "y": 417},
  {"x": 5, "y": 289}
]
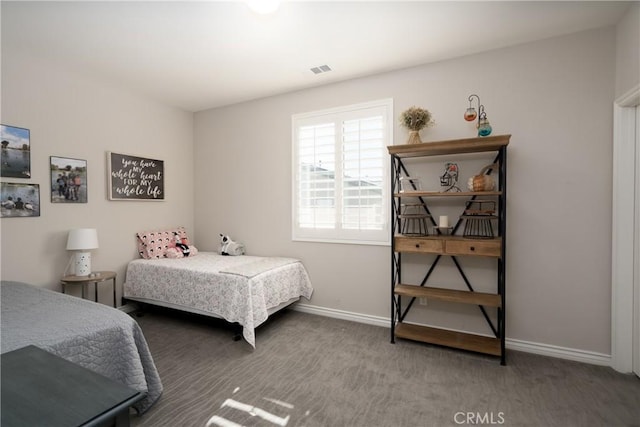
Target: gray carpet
[{"x": 314, "y": 371}]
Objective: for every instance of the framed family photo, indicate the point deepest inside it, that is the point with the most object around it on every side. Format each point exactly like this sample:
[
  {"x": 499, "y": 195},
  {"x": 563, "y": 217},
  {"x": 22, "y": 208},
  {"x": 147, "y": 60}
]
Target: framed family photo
[
  {"x": 15, "y": 155},
  {"x": 68, "y": 180},
  {"x": 19, "y": 200}
]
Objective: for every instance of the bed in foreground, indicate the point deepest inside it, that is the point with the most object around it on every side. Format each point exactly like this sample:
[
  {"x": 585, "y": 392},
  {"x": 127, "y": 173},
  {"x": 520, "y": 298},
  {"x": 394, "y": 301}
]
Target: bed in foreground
[
  {"x": 243, "y": 289},
  {"x": 94, "y": 336}
]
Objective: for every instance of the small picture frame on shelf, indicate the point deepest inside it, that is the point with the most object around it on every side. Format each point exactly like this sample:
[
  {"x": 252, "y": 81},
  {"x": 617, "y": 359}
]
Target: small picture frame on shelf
[
  {"x": 409, "y": 184},
  {"x": 19, "y": 200}
]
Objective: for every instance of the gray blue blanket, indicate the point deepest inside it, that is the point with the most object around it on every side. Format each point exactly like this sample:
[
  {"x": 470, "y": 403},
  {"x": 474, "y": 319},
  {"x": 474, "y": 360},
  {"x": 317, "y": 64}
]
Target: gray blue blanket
[{"x": 94, "y": 336}]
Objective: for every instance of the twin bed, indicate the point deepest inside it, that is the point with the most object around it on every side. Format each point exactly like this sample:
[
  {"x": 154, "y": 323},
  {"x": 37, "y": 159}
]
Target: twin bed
[{"x": 239, "y": 289}]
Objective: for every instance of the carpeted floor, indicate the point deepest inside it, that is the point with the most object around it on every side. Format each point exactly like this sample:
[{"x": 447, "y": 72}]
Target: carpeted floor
[{"x": 311, "y": 371}]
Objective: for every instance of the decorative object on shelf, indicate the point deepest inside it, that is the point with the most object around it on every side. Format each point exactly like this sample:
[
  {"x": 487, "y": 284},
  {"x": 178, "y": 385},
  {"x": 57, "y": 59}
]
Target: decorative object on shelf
[
  {"x": 483, "y": 181},
  {"x": 483, "y": 125},
  {"x": 478, "y": 216},
  {"x": 444, "y": 231},
  {"x": 449, "y": 178},
  {"x": 415, "y": 119},
  {"x": 82, "y": 240},
  {"x": 413, "y": 219},
  {"x": 19, "y": 200},
  {"x": 15, "y": 156},
  {"x": 408, "y": 184},
  {"x": 68, "y": 180}
]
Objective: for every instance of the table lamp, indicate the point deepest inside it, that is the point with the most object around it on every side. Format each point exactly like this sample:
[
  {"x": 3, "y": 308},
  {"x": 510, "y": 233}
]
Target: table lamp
[{"x": 82, "y": 240}]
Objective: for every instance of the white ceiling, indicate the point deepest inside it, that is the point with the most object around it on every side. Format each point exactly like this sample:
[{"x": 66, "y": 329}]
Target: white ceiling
[{"x": 205, "y": 54}]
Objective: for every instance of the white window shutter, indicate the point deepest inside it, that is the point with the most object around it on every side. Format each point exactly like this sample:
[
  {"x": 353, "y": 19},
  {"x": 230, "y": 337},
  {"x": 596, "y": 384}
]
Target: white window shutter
[{"x": 341, "y": 174}]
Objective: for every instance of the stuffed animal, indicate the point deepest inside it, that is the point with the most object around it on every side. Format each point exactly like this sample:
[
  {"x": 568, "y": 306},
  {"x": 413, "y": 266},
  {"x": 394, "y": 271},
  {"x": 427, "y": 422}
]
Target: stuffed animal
[
  {"x": 180, "y": 248},
  {"x": 229, "y": 247}
]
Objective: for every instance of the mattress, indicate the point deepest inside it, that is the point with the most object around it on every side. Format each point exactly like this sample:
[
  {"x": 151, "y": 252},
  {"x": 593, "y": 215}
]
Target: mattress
[
  {"x": 95, "y": 336},
  {"x": 242, "y": 289}
]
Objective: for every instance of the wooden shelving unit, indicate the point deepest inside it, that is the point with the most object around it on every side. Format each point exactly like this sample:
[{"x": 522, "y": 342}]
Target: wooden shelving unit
[{"x": 450, "y": 245}]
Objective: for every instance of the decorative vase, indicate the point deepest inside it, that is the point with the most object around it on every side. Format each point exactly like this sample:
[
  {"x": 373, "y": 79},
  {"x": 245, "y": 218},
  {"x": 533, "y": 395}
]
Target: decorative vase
[
  {"x": 484, "y": 128},
  {"x": 414, "y": 137}
]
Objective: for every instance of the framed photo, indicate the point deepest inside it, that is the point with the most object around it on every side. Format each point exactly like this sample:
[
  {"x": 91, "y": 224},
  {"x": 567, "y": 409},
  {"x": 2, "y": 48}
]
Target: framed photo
[
  {"x": 19, "y": 200},
  {"x": 15, "y": 155},
  {"x": 135, "y": 178},
  {"x": 68, "y": 180}
]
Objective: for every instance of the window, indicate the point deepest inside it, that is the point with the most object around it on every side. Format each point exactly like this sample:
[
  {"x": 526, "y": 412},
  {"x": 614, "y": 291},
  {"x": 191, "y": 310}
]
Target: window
[{"x": 341, "y": 174}]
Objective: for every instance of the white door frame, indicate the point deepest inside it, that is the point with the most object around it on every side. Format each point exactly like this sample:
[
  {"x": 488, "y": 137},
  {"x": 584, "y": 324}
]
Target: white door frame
[
  {"x": 624, "y": 231},
  {"x": 636, "y": 269}
]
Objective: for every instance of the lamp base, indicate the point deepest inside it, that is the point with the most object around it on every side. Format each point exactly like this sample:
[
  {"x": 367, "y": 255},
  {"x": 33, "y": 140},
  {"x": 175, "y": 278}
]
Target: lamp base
[{"x": 82, "y": 264}]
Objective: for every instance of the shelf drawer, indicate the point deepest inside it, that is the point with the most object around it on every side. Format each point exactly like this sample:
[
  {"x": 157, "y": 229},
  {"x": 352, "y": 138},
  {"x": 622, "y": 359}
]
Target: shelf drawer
[
  {"x": 474, "y": 247},
  {"x": 420, "y": 245}
]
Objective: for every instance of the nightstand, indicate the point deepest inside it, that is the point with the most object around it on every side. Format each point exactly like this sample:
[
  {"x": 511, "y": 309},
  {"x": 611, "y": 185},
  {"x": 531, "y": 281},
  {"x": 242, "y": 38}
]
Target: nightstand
[
  {"x": 42, "y": 389},
  {"x": 95, "y": 278}
]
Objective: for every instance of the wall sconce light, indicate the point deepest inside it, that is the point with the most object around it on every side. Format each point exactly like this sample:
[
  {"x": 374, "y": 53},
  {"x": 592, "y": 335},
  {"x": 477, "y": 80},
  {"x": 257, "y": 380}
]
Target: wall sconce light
[
  {"x": 484, "y": 127},
  {"x": 82, "y": 240}
]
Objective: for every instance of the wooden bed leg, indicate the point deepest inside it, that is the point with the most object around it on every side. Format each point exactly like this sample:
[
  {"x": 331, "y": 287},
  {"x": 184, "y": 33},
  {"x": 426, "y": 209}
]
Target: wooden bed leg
[{"x": 237, "y": 331}]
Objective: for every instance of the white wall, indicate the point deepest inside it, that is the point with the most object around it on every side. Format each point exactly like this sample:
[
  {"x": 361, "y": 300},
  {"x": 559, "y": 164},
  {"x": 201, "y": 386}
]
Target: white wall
[
  {"x": 73, "y": 116},
  {"x": 553, "y": 96},
  {"x": 628, "y": 51}
]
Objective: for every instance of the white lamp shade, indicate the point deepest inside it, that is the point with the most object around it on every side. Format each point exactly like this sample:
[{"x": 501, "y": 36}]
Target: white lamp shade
[{"x": 82, "y": 239}]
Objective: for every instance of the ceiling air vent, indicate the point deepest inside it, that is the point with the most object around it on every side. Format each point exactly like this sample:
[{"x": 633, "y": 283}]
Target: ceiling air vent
[{"x": 321, "y": 69}]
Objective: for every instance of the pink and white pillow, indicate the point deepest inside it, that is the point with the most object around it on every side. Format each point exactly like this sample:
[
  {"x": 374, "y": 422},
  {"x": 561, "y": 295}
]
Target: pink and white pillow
[{"x": 155, "y": 243}]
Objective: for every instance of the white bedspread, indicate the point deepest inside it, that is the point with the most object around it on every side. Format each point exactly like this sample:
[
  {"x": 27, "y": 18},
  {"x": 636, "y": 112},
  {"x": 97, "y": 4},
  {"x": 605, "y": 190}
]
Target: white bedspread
[{"x": 200, "y": 283}]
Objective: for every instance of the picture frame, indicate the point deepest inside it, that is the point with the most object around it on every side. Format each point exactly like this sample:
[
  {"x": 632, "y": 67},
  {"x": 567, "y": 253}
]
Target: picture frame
[
  {"x": 68, "y": 179},
  {"x": 19, "y": 200},
  {"x": 15, "y": 152},
  {"x": 134, "y": 178}
]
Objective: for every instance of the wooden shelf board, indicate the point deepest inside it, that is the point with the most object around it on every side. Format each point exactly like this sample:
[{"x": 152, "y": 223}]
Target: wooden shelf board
[
  {"x": 464, "y": 341},
  {"x": 451, "y": 295},
  {"x": 448, "y": 194},
  {"x": 455, "y": 146}
]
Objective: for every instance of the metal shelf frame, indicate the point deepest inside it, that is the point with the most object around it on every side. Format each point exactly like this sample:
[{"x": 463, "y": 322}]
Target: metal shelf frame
[{"x": 400, "y": 309}]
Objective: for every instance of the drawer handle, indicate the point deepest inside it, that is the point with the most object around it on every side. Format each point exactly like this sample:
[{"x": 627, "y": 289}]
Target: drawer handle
[
  {"x": 418, "y": 245},
  {"x": 473, "y": 248}
]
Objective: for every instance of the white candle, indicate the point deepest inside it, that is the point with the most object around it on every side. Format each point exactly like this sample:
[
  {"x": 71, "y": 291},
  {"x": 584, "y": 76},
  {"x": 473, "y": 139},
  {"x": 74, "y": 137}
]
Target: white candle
[{"x": 444, "y": 221}]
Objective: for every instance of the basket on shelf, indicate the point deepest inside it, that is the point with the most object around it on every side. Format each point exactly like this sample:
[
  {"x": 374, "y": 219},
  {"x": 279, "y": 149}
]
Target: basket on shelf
[
  {"x": 413, "y": 220},
  {"x": 479, "y": 216}
]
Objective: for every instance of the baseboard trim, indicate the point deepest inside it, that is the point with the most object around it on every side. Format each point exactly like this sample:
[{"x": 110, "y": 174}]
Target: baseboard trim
[
  {"x": 340, "y": 314},
  {"x": 576, "y": 355}
]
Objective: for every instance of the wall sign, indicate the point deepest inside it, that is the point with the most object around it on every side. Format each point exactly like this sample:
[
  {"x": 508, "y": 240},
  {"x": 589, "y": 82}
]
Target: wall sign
[{"x": 135, "y": 178}]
